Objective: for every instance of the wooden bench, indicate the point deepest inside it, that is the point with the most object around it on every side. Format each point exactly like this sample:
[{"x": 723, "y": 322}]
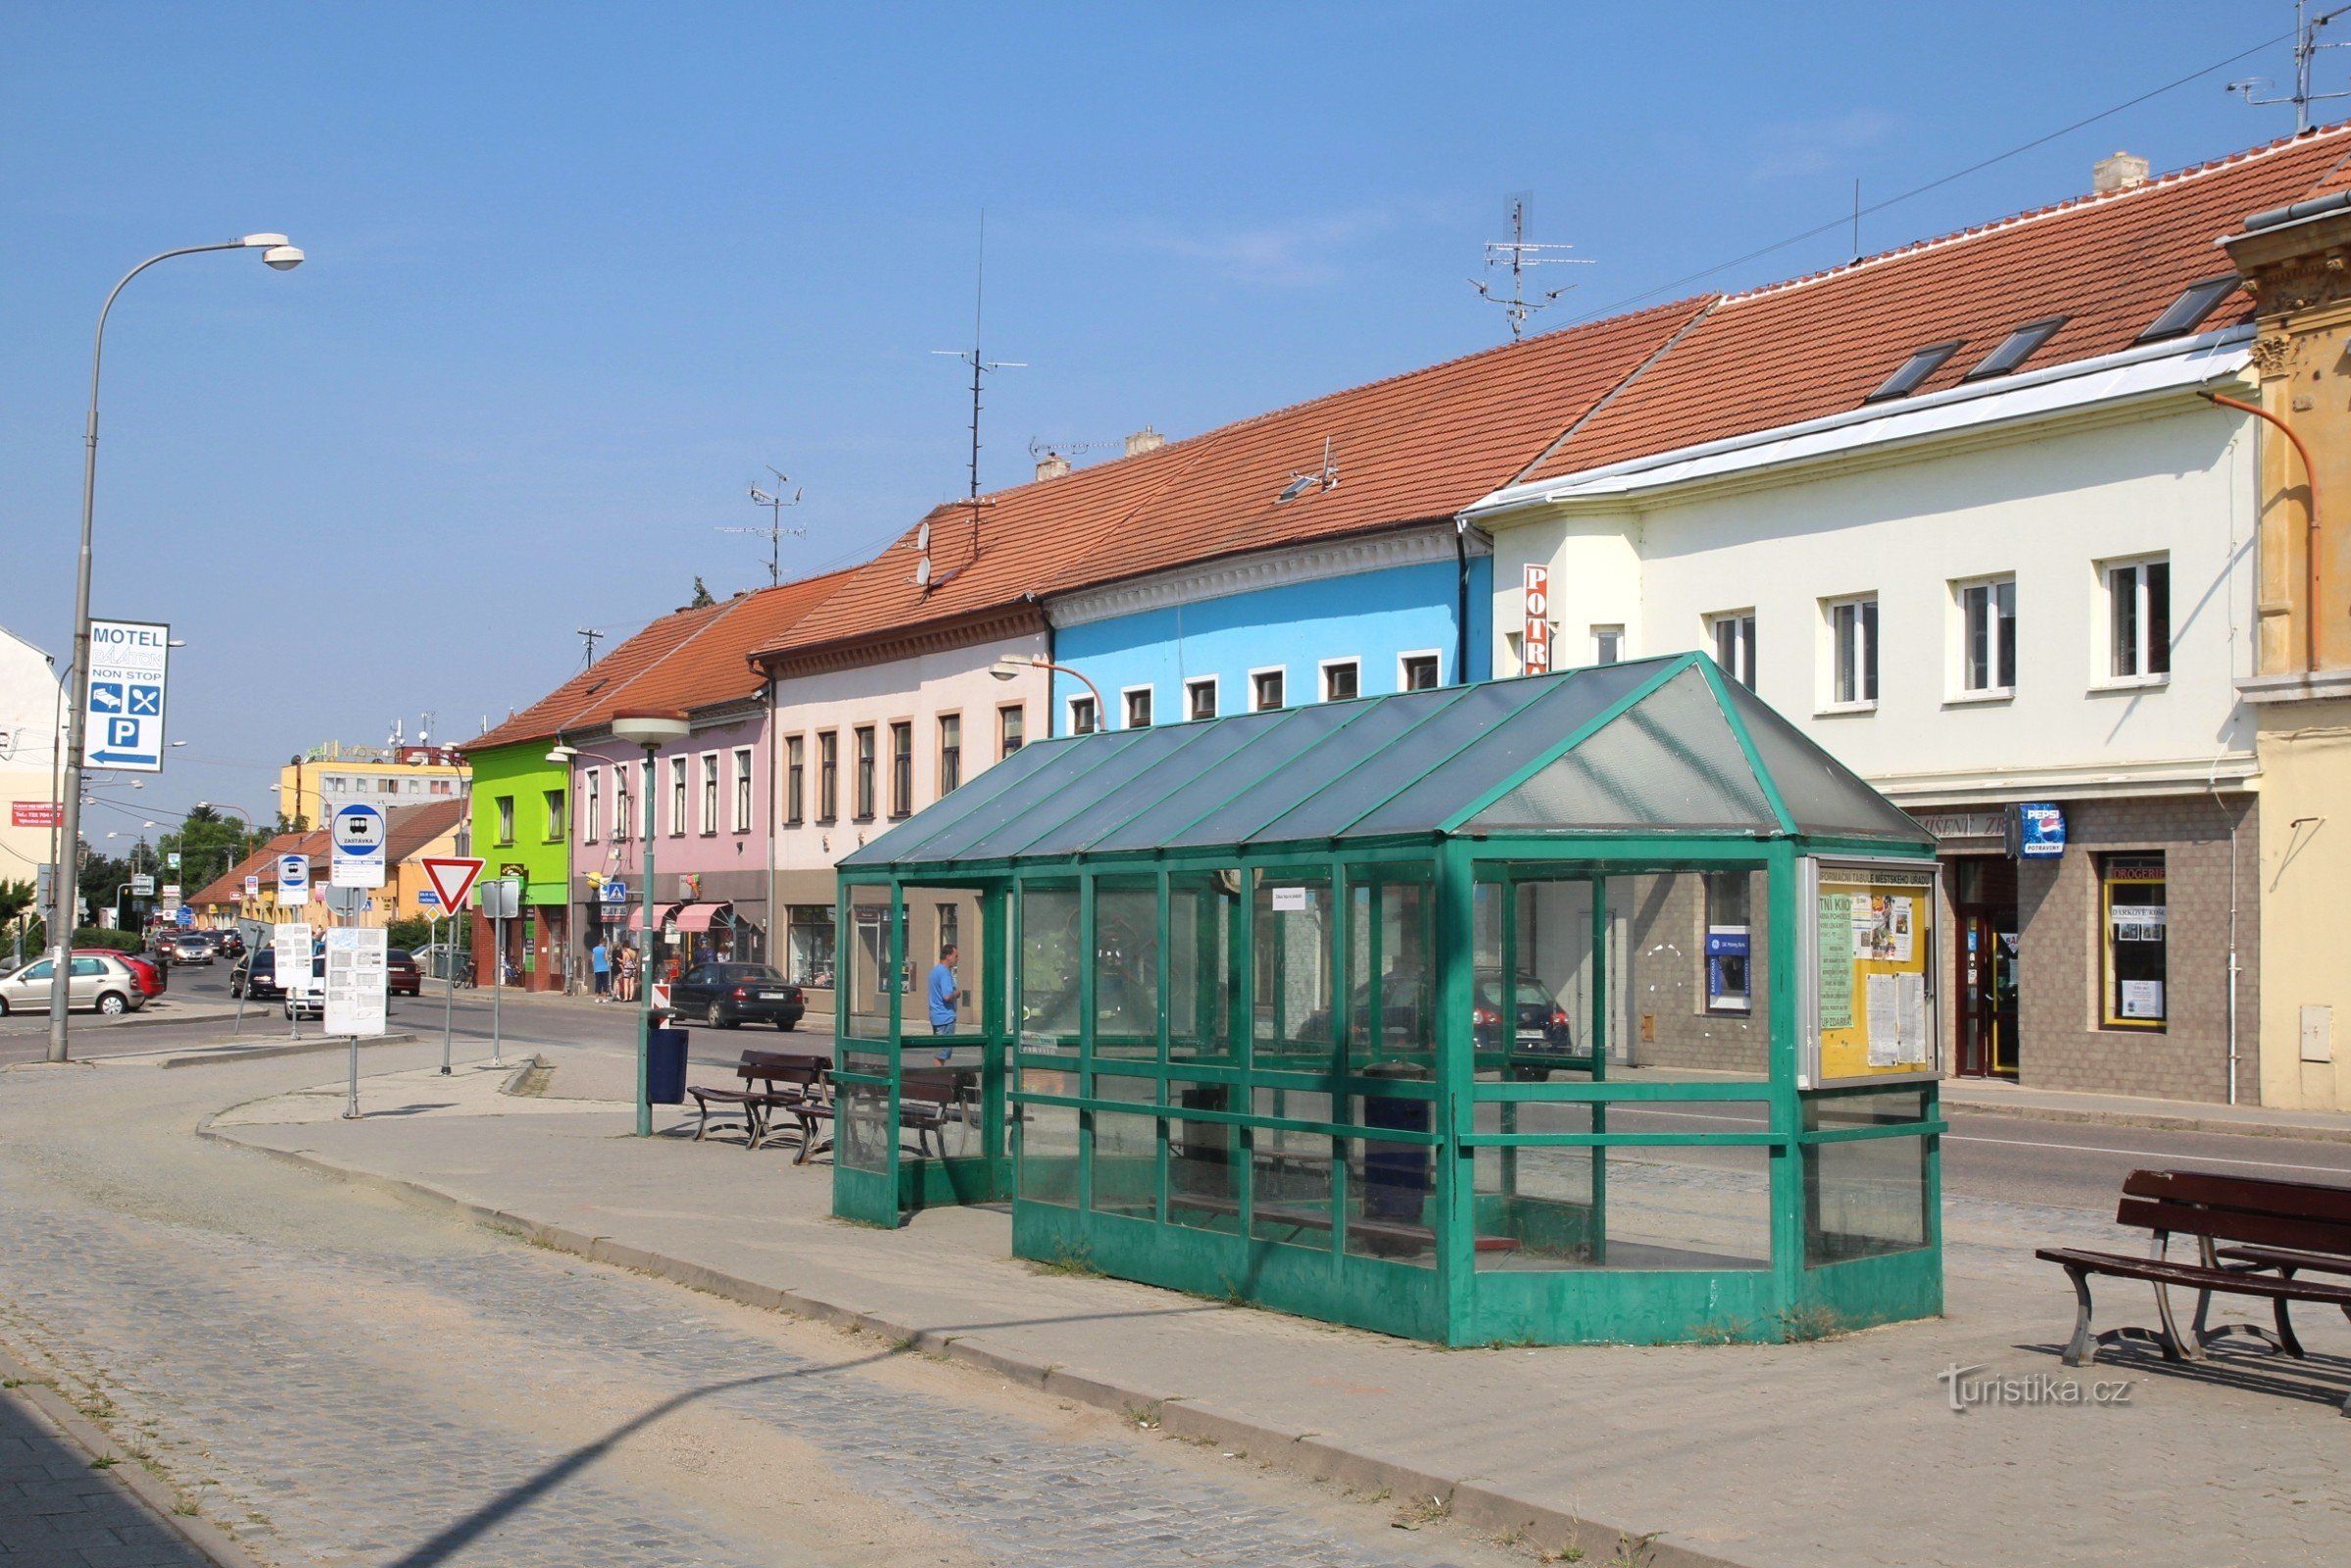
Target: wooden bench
[
  {"x": 1309, "y": 1219},
  {"x": 931, "y": 1098},
  {"x": 2277, "y": 1231},
  {"x": 772, "y": 1081}
]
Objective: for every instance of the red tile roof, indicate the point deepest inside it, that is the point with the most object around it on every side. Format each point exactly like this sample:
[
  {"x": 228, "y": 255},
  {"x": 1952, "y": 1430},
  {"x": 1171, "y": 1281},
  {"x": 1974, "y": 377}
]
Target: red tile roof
[
  {"x": 410, "y": 830},
  {"x": 1818, "y": 345},
  {"x": 686, "y": 659},
  {"x": 1411, "y": 448}
]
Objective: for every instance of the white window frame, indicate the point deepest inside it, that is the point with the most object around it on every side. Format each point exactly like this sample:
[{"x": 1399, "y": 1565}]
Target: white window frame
[
  {"x": 1607, "y": 630},
  {"x": 1405, "y": 658},
  {"x": 1071, "y": 703},
  {"x": 1282, "y": 671},
  {"x": 2104, "y": 675},
  {"x": 743, "y": 791},
  {"x": 623, "y": 795},
  {"x": 1126, "y": 705},
  {"x": 709, "y": 819},
  {"x": 1743, "y": 649},
  {"x": 1962, "y": 635},
  {"x": 505, "y": 819},
  {"x": 681, "y": 801},
  {"x": 591, "y": 817},
  {"x": 1869, "y": 643},
  {"x": 1322, "y": 677},
  {"x": 1215, "y": 697}
]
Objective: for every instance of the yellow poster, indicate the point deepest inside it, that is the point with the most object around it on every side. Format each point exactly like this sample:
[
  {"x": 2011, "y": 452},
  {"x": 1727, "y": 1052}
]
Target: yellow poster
[{"x": 1873, "y": 948}]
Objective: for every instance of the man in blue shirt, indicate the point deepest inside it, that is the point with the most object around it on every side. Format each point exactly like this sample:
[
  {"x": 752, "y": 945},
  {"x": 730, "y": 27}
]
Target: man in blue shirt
[
  {"x": 600, "y": 964},
  {"x": 945, "y": 994}
]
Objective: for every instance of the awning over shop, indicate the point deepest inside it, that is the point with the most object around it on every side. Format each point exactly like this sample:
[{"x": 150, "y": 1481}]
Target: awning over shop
[
  {"x": 697, "y": 917},
  {"x": 636, "y": 916}
]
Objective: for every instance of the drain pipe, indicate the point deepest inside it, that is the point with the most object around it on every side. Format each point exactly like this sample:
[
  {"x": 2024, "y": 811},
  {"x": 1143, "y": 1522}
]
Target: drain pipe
[
  {"x": 2310, "y": 474},
  {"x": 1462, "y": 601},
  {"x": 2213, "y": 786}
]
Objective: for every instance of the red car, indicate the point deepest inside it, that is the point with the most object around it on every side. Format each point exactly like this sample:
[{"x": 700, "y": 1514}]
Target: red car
[
  {"x": 402, "y": 977},
  {"x": 150, "y": 975}
]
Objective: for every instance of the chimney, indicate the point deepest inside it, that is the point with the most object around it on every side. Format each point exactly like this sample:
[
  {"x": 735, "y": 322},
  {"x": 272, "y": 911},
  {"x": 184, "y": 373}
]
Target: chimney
[
  {"x": 2119, "y": 172},
  {"x": 1145, "y": 440},
  {"x": 1051, "y": 465}
]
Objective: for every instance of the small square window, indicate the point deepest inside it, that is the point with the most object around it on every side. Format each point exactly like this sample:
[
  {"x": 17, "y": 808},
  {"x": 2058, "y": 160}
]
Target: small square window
[
  {"x": 1011, "y": 729},
  {"x": 1200, "y": 697},
  {"x": 1083, "y": 719},
  {"x": 1607, "y": 645},
  {"x": 1138, "y": 706},
  {"x": 1265, "y": 691},
  {"x": 1340, "y": 680},
  {"x": 1733, "y": 636},
  {"x": 1418, "y": 672}
]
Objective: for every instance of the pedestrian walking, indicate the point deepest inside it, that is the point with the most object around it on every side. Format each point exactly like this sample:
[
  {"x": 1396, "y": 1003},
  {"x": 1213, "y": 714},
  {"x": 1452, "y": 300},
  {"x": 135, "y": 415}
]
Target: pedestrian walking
[
  {"x": 628, "y": 975},
  {"x": 945, "y": 993},
  {"x": 600, "y": 964}
]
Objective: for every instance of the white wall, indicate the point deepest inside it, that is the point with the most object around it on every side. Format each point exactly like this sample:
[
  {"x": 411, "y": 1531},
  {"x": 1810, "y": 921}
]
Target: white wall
[
  {"x": 28, "y": 743},
  {"x": 918, "y": 689},
  {"x": 2046, "y": 506}
]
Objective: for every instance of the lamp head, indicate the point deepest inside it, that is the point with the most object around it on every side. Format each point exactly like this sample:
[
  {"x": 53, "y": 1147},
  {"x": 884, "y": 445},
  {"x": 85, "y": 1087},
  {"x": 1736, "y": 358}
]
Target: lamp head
[
  {"x": 650, "y": 729},
  {"x": 1008, "y": 668},
  {"x": 285, "y": 257},
  {"x": 262, "y": 242},
  {"x": 560, "y": 753}
]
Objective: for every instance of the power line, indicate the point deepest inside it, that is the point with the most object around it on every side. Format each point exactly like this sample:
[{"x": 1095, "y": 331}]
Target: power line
[{"x": 1933, "y": 185}]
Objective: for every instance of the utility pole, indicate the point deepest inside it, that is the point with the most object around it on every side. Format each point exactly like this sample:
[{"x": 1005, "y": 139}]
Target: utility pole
[
  {"x": 2306, "y": 52},
  {"x": 1521, "y": 255}
]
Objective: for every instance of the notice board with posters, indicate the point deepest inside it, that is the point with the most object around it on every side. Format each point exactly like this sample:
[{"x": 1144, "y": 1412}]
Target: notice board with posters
[{"x": 1869, "y": 1006}]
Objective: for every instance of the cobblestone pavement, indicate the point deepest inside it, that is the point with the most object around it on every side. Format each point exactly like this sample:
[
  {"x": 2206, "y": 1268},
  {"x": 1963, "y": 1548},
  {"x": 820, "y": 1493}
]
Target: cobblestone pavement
[
  {"x": 56, "y": 1507},
  {"x": 341, "y": 1378}
]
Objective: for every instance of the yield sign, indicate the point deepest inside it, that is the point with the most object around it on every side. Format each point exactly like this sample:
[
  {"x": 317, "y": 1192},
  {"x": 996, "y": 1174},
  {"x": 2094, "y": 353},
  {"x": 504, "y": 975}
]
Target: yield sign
[{"x": 452, "y": 877}]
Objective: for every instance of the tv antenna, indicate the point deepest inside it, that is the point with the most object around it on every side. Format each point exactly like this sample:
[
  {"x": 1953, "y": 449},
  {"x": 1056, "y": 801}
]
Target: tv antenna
[
  {"x": 1040, "y": 449},
  {"x": 1522, "y": 255},
  {"x": 775, "y": 530},
  {"x": 594, "y": 637},
  {"x": 2306, "y": 51},
  {"x": 980, "y": 368},
  {"x": 1324, "y": 478}
]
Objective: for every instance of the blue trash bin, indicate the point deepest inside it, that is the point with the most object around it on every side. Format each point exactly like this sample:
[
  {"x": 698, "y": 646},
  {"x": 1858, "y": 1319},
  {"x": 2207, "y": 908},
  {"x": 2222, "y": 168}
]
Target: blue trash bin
[
  {"x": 1398, "y": 1178},
  {"x": 665, "y": 1066}
]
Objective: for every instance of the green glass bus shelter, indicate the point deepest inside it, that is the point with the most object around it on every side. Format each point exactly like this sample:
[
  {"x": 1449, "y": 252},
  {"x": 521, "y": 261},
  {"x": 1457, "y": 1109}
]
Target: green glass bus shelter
[{"x": 1589, "y": 1006}]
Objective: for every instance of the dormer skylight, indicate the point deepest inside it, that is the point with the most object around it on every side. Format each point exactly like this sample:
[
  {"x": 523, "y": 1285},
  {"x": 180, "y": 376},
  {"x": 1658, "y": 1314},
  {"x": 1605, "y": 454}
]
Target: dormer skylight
[
  {"x": 2186, "y": 313},
  {"x": 1915, "y": 369},
  {"x": 2020, "y": 346}
]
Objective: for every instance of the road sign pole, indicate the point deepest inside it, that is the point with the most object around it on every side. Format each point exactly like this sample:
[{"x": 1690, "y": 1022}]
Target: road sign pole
[
  {"x": 449, "y": 997},
  {"x": 496, "y": 978}
]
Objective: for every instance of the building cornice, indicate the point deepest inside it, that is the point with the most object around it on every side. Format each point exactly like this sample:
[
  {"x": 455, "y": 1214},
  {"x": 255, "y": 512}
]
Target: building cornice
[
  {"x": 1023, "y": 619},
  {"x": 1424, "y": 544},
  {"x": 2176, "y": 776}
]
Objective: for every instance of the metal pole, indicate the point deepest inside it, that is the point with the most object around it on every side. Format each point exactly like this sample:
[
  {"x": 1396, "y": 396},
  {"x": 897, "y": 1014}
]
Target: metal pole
[
  {"x": 449, "y": 996},
  {"x": 645, "y": 971},
  {"x": 351, "y": 1106},
  {"x": 69, "y": 833},
  {"x": 497, "y": 974}
]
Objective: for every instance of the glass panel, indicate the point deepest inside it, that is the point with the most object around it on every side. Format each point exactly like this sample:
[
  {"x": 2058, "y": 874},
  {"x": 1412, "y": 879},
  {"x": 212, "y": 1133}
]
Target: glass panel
[
  {"x": 1049, "y": 950},
  {"x": 1291, "y": 1181},
  {"x": 1047, "y": 1168},
  {"x": 1820, "y": 793},
  {"x": 1201, "y": 907},
  {"x": 1671, "y": 761},
  {"x": 1201, "y": 1190},
  {"x": 1126, "y": 1164},
  {"x": 982, "y": 794},
  {"x": 1536, "y": 1025},
  {"x": 1392, "y": 973},
  {"x": 1660, "y": 969},
  {"x": 1292, "y": 1005},
  {"x": 1390, "y": 1191},
  {"x": 1263, "y": 781},
  {"x": 862, "y": 1133},
  {"x": 1265, "y": 742},
  {"x": 1052, "y": 828},
  {"x": 1180, "y": 774},
  {"x": 1048, "y": 774},
  {"x": 871, "y": 983},
  {"x": 1368, "y": 773},
  {"x": 1126, "y": 967},
  {"x": 1867, "y": 1197},
  {"x": 1492, "y": 732},
  {"x": 949, "y": 997},
  {"x": 1534, "y": 1206}
]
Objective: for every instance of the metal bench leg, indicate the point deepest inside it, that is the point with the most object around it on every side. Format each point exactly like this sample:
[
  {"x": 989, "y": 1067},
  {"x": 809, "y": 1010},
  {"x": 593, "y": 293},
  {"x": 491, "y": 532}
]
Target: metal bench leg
[
  {"x": 2082, "y": 1348},
  {"x": 2175, "y": 1347}
]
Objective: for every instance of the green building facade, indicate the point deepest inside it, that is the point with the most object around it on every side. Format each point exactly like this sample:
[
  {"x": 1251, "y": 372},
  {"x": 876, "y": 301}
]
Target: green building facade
[{"x": 522, "y": 827}]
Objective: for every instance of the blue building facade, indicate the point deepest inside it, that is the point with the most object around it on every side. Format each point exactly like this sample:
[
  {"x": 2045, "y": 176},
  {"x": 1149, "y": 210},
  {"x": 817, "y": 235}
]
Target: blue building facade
[{"x": 1317, "y": 622}]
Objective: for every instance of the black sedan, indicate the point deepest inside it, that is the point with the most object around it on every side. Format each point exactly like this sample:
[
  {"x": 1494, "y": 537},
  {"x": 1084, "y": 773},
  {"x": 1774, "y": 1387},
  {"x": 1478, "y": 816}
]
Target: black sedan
[
  {"x": 256, "y": 975},
  {"x": 727, "y": 996}
]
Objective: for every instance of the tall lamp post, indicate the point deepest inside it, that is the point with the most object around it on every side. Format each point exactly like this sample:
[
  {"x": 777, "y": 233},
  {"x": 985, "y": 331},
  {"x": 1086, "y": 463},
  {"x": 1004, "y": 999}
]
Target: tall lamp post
[
  {"x": 1011, "y": 665},
  {"x": 284, "y": 258},
  {"x": 653, "y": 731}
]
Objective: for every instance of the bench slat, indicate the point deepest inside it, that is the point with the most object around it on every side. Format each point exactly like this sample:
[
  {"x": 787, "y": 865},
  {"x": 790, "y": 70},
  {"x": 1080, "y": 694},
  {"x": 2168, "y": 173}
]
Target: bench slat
[
  {"x": 2272, "y": 1229},
  {"x": 2288, "y": 1257},
  {"x": 2319, "y": 1201},
  {"x": 2194, "y": 1276}
]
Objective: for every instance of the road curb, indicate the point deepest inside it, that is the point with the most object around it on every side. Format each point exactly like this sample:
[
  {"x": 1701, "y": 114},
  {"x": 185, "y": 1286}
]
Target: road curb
[
  {"x": 2151, "y": 1120},
  {"x": 50, "y": 1407},
  {"x": 1471, "y": 1501},
  {"x": 201, "y": 1058}
]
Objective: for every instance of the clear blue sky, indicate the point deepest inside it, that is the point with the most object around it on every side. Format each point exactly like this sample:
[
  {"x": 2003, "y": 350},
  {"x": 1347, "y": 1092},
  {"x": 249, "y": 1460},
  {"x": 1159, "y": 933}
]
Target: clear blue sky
[{"x": 578, "y": 272}]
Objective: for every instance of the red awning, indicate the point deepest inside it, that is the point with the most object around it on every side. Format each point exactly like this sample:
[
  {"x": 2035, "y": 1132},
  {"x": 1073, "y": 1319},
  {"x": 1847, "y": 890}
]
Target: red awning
[
  {"x": 636, "y": 916},
  {"x": 697, "y": 916}
]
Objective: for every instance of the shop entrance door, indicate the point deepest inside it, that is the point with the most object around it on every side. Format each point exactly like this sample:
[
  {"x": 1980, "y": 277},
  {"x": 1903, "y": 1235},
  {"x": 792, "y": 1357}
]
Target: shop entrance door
[{"x": 1984, "y": 965}]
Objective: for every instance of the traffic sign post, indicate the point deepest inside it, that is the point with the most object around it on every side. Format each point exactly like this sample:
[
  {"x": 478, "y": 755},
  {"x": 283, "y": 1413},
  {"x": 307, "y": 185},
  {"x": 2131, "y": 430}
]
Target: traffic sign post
[
  {"x": 501, "y": 900},
  {"x": 291, "y": 941},
  {"x": 293, "y": 880},
  {"x": 357, "y": 837},
  {"x": 452, "y": 878},
  {"x": 358, "y": 974},
  {"x": 123, "y": 703}
]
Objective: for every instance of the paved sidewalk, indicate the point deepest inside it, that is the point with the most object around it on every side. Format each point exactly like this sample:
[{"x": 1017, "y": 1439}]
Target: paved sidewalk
[
  {"x": 1840, "y": 1453},
  {"x": 2131, "y": 1110}
]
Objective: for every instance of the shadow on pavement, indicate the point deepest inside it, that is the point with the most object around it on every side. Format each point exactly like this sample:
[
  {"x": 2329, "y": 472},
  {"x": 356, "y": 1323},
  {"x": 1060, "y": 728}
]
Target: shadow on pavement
[{"x": 56, "y": 1507}]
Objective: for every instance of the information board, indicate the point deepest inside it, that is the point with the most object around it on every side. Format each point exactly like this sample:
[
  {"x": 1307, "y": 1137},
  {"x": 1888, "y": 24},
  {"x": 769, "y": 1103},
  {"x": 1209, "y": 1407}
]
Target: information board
[
  {"x": 292, "y": 940},
  {"x": 357, "y": 975},
  {"x": 1871, "y": 1010}
]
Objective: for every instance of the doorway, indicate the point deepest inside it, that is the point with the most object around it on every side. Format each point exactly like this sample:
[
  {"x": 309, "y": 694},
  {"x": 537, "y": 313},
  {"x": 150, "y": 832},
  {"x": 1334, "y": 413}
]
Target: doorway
[{"x": 1984, "y": 965}]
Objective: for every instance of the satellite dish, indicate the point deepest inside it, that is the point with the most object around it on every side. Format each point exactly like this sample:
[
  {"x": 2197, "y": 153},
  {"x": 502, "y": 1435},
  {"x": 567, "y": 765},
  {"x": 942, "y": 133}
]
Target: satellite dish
[
  {"x": 923, "y": 573},
  {"x": 922, "y": 539}
]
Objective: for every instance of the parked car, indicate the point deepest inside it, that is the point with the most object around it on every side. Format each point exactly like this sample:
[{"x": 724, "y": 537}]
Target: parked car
[
  {"x": 402, "y": 977},
  {"x": 228, "y": 944},
  {"x": 184, "y": 947},
  {"x": 255, "y": 976},
  {"x": 99, "y": 981},
  {"x": 312, "y": 1004},
  {"x": 154, "y": 978},
  {"x": 435, "y": 958},
  {"x": 1542, "y": 1024},
  {"x": 727, "y": 996}
]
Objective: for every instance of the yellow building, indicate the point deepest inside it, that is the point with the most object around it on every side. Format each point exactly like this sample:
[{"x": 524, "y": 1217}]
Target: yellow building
[{"x": 311, "y": 786}]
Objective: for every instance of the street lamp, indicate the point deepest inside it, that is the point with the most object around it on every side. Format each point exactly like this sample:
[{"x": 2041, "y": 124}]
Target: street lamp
[
  {"x": 653, "y": 731},
  {"x": 1010, "y": 667},
  {"x": 280, "y": 257}
]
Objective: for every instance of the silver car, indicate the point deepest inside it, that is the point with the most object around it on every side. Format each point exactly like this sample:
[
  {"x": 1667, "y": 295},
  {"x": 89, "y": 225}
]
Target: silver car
[{"x": 96, "y": 983}]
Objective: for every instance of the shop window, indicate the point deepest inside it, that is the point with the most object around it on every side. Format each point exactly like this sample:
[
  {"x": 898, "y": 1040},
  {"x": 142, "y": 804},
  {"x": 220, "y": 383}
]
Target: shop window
[
  {"x": 2138, "y": 620},
  {"x": 1853, "y": 652},
  {"x": 1138, "y": 706},
  {"x": 809, "y": 937},
  {"x": 1265, "y": 690},
  {"x": 901, "y": 769},
  {"x": 1200, "y": 697},
  {"x": 1727, "y": 943},
  {"x": 1733, "y": 637},
  {"x": 862, "y": 796},
  {"x": 1342, "y": 680},
  {"x": 1416, "y": 672},
  {"x": 1011, "y": 729},
  {"x": 828, "y": 776},
  {"x": 1987, "y": 637},
  {"x": 950, "y": 753},
  {"x": 2136, "y": 938}
]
